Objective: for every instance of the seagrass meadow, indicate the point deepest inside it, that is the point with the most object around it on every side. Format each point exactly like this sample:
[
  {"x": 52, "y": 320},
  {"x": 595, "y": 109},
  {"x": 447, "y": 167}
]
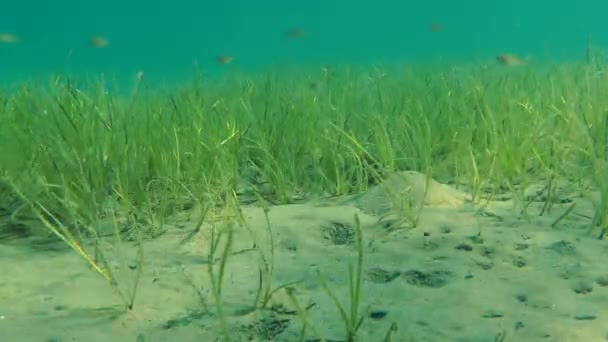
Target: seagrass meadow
[{"x": 431, "y": 203}]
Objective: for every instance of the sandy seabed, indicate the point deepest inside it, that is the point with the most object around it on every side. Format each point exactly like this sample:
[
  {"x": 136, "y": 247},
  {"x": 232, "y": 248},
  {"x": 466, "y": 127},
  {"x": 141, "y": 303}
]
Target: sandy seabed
[{"x": 462, "y": 274}]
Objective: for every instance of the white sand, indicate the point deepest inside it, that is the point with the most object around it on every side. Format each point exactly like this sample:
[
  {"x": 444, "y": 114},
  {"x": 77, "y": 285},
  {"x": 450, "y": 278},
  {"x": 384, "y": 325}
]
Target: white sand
[{"x": 460, "y": 275}]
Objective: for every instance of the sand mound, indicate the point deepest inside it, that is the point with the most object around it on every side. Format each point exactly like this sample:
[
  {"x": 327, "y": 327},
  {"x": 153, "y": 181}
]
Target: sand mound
[{"x": 408, "y": 188}]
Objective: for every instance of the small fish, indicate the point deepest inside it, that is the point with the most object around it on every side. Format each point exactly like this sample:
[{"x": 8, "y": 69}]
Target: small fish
[
  {"x": 98, "y": 42},
  {"x": 224, "y": 59},
  {"x": 139, "y": 81},
  {"x": 435, "y": 27},
  {"x": 8, "y": 38},
  {"x": 510, "y": 60},
  {"x": 294, "y": 33}
]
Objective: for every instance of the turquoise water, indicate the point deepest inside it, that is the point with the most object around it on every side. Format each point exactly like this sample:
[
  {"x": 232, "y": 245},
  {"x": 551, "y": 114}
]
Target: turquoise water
[{"x": 166, "y": 39}]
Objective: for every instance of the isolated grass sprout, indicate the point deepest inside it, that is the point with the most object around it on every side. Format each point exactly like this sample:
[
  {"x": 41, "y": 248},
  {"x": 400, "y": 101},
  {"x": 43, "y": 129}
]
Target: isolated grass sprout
[
  {"x": 351, "y": 318},
  {"x": 225, "y": 231}
]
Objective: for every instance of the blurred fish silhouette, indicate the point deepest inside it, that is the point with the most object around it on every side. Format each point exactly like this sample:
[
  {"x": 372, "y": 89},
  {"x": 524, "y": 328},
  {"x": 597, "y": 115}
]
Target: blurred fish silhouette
[
  {"x": 294, "y": 33},
  {"x": 510, "y": 60},
  {"x": 435, "y": 27},
  {"x": 8, "y": 38},
  {"x": 224, "y": 59},
  {"x": 140, "y": 80},
  {"x": 98, "y": 42}
]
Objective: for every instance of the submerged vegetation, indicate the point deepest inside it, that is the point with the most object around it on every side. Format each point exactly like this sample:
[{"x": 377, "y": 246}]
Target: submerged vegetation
[{"x": 81, "y": 165}]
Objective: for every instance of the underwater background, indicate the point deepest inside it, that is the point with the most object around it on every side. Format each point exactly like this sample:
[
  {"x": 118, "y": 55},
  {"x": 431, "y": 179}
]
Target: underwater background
[
  {"x": 166, "y": 39},
  {"x": 457, "y": 200}
]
